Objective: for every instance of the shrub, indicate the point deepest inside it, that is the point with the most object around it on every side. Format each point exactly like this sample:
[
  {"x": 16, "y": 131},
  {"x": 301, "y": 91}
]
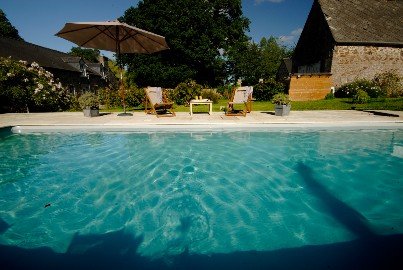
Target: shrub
[
  {"x": 329, "y": 96},
  {"x": 134, "y": 96},
  {"x": 74, "y": 104},
  {"x": 266, "y": 90},
  {"x": 184, "y": 92},
  {"x": 30, "y": 88},
  {"x": 390, "y": 83},
  {"x": 109, "y": 98},
  {"x": 225, "y": 91},
  {"x": 361, "y": 97},
  {"x": 349, "y": 90},
  {"x": 211, "y": 94},
  {"x": 281, "y": 99},
  {"x": 88, "y": 100}
]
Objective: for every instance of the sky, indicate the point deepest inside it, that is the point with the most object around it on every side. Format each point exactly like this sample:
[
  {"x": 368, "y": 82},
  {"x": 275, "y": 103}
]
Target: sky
[{"x": 39, "y": 21}]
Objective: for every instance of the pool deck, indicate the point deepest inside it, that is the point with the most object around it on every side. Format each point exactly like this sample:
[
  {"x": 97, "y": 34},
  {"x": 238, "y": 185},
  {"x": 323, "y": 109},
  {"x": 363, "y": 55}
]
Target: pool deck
[{"x": 339, "y": 118}]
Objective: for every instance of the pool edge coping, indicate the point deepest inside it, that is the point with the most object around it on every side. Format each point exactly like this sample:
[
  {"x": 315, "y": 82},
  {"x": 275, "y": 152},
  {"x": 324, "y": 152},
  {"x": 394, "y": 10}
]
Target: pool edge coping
[{"x": 204, "y": 126}]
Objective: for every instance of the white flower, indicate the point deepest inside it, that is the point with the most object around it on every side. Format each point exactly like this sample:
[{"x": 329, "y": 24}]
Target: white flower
[
  {"x": 23, "y": 62},
  {"x": 37, "y": 90},
  {"x": 34, "y": 65},
  {"x": 9, "y": 74},
  {"x": 40, "y": 86},
  {"x": 25, "y": 80}
]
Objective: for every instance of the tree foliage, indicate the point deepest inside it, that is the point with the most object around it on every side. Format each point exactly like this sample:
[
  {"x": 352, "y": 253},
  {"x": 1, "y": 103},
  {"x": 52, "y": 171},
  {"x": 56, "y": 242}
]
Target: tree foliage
[
  {"x": 91, "y": 55},
  {"x": 251, "y": 61},
  {"x": 197, "y": 33},
  {"x": 6, "y": 28}
]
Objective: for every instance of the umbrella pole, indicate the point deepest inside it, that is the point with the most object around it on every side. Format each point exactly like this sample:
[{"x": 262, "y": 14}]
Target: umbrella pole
[{"x": 122, "y": 89}]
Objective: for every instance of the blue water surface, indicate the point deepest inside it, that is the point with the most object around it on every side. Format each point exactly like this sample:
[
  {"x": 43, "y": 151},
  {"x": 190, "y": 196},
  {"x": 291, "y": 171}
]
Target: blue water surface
[{"x": 151, "y": 199}]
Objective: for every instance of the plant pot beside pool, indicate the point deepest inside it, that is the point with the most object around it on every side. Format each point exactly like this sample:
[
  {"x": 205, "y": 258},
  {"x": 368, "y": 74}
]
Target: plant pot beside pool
[
  {"x": 282, "y": 110},
  {"x": 90, "y": 104},
  {"x": 282, "y": 105},
  {"x": 90, "y": 112}
]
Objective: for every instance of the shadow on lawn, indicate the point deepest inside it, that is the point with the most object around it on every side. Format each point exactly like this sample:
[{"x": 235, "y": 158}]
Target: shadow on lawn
[{"x": 118, "y": 250}]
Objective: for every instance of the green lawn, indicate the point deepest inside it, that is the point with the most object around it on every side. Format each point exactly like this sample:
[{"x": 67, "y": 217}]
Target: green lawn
[{"x": 393, "y": 104}]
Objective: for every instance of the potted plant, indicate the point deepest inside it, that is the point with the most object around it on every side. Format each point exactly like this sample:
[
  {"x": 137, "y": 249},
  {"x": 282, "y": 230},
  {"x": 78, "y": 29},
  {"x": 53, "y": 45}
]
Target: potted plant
[
  {"x": 282, "y": 104},
  {"x": 89, "y": 102}
]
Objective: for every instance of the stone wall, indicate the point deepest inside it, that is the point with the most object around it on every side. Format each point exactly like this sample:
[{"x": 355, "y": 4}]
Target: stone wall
[
  {"x": 309, "y": 86},
  {"x": 358, "y": 62}
]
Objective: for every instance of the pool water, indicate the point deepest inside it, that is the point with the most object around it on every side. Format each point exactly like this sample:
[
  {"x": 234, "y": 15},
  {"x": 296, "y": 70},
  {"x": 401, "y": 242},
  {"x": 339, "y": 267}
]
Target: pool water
[{"x": 200, "y": 192}]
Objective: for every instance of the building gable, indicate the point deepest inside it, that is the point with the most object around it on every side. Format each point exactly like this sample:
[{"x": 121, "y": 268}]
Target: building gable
[{"x": 314, "y": 48}]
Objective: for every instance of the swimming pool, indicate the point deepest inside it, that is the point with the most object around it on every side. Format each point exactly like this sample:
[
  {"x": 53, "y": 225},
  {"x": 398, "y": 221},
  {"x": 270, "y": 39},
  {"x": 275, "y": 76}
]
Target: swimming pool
[{"x": 203, "y": 192}]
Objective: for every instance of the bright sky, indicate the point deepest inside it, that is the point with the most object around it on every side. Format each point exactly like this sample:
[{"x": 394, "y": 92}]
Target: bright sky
[{"x": 38, "y": 21}]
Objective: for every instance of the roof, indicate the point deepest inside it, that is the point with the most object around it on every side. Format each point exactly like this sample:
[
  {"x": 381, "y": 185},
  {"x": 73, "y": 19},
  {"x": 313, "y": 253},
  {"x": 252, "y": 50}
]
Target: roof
[
  {"x": 21, "y": 50},
  {"x": 287, "y": 62},
  {"x": 365, "y": 21}
]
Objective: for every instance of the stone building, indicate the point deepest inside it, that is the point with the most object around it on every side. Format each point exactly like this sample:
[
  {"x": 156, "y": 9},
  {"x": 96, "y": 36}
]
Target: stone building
[
  {"x": 345, "y": 40},
  {"x": 73, "y": 72}
]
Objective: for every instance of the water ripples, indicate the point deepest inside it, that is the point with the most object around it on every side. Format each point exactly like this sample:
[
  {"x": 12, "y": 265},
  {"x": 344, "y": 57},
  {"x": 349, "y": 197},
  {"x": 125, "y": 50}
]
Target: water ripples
[{"x": 201, "y": 192}]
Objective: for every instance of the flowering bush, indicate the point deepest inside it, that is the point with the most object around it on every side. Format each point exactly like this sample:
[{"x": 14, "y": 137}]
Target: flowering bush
[
  {"x": 391, "y": 83},
  {"x": 29, "y": 88},
  {"x": 350, "y": 90}
]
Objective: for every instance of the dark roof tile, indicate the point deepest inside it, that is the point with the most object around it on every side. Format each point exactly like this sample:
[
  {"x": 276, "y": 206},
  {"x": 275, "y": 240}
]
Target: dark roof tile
[
  {"x": 365, "y": 21},
  {"x": 21, "y": 50}
]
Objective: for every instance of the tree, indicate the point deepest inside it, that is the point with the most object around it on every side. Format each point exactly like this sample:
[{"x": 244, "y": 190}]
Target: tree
[
  {"x": 251, "y": 62},
  {"x": 196, "y": 32},
  {"x": 91, "y": 55},
  {"x": 245, "y": 62},
  {"x": 6, "y": 28},
  {"x": 272, "y": 54}
]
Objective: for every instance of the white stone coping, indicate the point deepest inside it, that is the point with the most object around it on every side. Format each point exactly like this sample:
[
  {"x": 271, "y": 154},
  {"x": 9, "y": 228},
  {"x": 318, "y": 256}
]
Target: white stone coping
[{"x": 208, "y": 127}]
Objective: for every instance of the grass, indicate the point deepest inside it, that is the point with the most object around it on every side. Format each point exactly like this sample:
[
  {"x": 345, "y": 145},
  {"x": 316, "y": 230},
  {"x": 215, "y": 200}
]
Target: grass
[{"x": 393, "y": 104}]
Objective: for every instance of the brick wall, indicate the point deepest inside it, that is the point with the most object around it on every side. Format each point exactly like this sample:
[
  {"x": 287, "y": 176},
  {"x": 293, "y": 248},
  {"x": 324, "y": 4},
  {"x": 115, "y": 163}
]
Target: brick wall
[
  {"x": 357, "y": 62},
  {"x": 309, "y": 86}
]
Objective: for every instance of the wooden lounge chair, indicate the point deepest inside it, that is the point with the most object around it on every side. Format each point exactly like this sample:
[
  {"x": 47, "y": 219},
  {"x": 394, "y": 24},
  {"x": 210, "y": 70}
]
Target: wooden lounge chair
[
  {"x": 241, "y": 95},
  {"x": 159, "y": 105}
]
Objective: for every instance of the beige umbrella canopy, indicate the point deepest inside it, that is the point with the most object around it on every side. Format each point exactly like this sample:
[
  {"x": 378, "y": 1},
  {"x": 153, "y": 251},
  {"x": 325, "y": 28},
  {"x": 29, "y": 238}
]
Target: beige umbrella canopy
[{"x": 113, "y": 36}]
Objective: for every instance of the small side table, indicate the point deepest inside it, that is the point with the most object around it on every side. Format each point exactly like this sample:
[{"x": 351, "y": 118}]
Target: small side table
[{"x": 201, "y": 102}]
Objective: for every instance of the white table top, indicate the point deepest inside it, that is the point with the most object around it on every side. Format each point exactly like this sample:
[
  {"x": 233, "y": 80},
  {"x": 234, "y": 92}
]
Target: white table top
[{"x": 200, "y": 101}]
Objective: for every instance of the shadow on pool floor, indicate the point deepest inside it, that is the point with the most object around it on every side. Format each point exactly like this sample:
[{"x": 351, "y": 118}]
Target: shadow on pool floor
[{"x": 118, "y": 250}]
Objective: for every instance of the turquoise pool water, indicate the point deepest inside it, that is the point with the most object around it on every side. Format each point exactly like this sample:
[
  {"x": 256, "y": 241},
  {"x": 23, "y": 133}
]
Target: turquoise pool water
[{"x": 199, "y": 192}]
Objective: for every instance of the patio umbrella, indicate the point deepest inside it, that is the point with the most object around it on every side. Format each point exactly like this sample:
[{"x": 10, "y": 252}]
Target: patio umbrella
[{"x": 113, "y": 36}]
